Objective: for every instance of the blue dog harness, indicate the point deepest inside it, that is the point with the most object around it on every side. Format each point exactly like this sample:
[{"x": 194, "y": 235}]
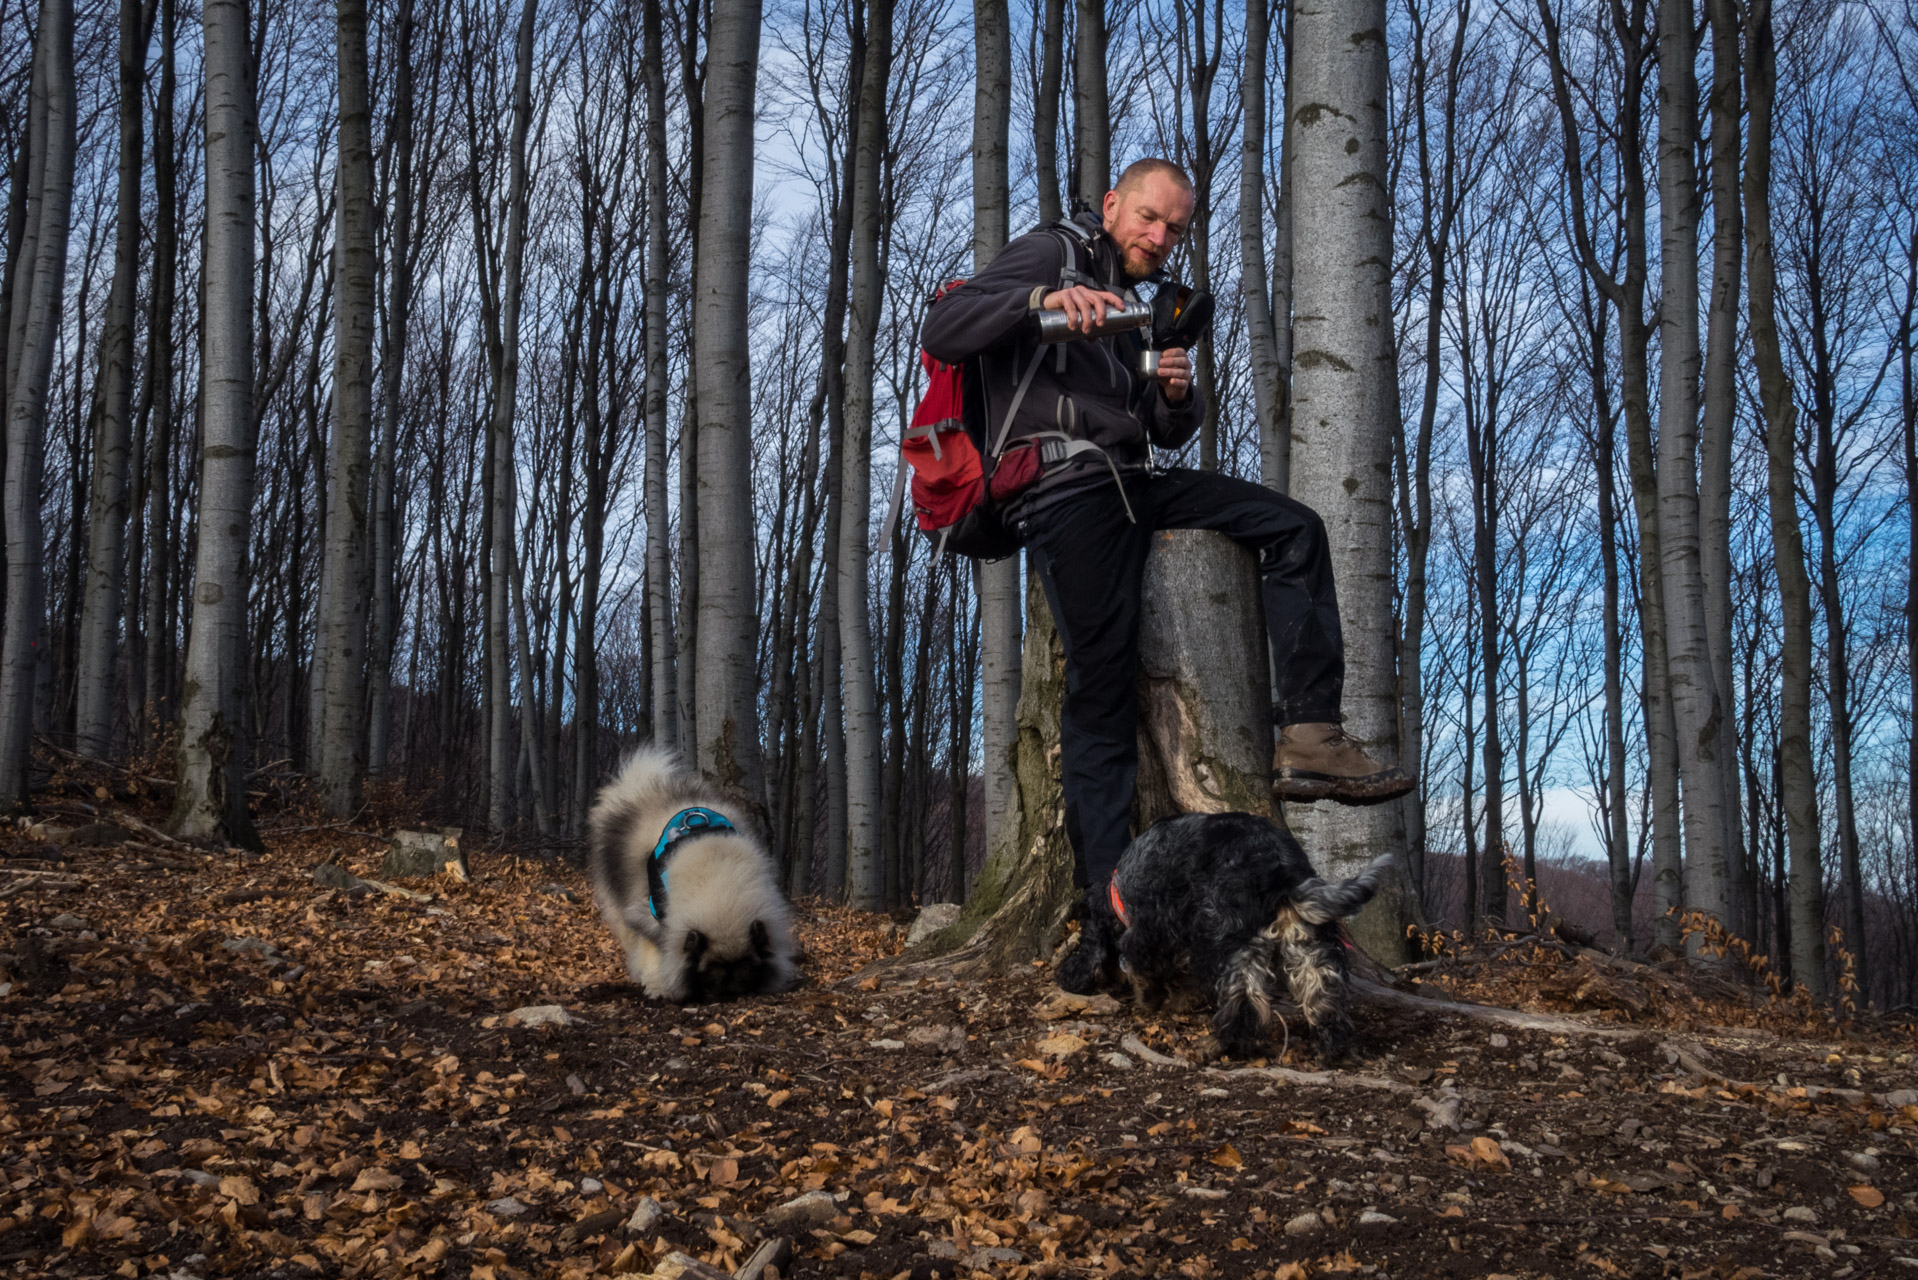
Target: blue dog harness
[{"x": 683, "y": 825}]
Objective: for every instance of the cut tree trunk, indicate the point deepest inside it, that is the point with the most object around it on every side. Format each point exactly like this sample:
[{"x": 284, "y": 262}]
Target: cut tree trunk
[{"x": 1205, "y": 743}]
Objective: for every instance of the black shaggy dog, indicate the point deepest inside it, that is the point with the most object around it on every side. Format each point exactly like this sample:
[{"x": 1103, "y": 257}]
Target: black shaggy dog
[{"x": 1228, "y": 902}]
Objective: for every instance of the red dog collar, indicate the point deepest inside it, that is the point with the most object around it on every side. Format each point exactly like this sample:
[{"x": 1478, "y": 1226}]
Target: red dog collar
[{"x": 1118, "y": 903}]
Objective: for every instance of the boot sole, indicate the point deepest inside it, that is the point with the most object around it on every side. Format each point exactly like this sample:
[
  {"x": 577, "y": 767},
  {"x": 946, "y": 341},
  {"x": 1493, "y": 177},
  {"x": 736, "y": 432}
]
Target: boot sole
[{"x": 1375, "y": 788}]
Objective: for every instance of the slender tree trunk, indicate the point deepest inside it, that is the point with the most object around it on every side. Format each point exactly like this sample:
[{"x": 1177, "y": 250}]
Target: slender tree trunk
[
  {"x": 399, "y": 307},
  {"x": 1693, "y": 688},
  {"x": 1717, "y": 429},
  {"x": 727, "y": 718},
  {"x": 156, "y": 666},
  {"x": 1345, "y": 401},
  {"x": 1275, "y": 458},
  {"x": 343, "y": 627},
  {"x": 1092, "y": 166},
  {"x": 1481, "y": 436},
  {"x": 1045, "y": 110},
  {"x": 1000, "y": 621},
  {"x": 211, "y": 797},
  {"x": 107, "y": 505},
  {"x": 1617, "y": 834},
  {"x": 33, "y": 335},
  {"x": 1797, "y": 786},
  {"x": 1268, "y": 388},
  {"x": 659, "y": 607},
  {"x": 501, "y": 515},
  {"x": 864, "y": 871}
]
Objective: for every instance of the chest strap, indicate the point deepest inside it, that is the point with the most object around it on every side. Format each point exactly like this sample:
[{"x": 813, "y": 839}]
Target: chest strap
[{"x": 683, "y": 825}]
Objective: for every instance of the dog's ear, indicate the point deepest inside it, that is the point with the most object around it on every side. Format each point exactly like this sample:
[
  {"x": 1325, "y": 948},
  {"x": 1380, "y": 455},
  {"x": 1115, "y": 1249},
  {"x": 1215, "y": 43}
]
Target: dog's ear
[
  {"x": 761, "y": 939},
  {"x": 695, "y": 945}
]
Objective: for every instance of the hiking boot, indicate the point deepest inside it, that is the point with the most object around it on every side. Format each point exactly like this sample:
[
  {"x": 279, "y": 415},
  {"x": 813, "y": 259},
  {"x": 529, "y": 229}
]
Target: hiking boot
[{"x": 1322, "y": 762}]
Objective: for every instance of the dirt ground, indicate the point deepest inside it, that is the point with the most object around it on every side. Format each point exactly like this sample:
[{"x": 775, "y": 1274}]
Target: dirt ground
[{"x": 210, "y": 1065}]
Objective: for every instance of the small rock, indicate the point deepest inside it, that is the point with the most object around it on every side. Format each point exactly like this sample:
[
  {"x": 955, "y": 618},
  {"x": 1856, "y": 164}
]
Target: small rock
[
  {"x": 1373, "y": 1218},
  {"x": 200, "y": 1177},
  {"x": 250, "y": 946},
  {"x": 66, "y": 922},
  {"x": 937, "y": 1039},
  {"x": 1204, "y": 1193},
  {"x": 1214, "y": 1093},
  {"x": 1117, "y": 1061},
  {"x": 1629, "y": 1126},
  {"x": 1499, "y": 1042},
  {"x": 933, "y": 917},
  {"x": 1864, "y": 1161},
  {"x": 331, "y": 875},
  {"x": 558, "y": 891},
  {"x": 1417, "y": 1075},
  {"x": 813, "y": 1209},
  {"x": 982, "y": 1259},
  {"x": 1800, "y": 1213},
  {"x": 591, "y": 1186},
  {"x": 944, "y": 1250},
  {"x": 1064, "y": 1045},
  {"x": 646, "y": 1215},
  {"x": 889, "y": 1045},
  {"x": 1306, "y": 1224},
  {"x": 1902, "y": 1098},
  {"x": 506, "y": 1207},
  {"x": 539, "y": 1015},
  {"x": 1064, "y": 1004}
]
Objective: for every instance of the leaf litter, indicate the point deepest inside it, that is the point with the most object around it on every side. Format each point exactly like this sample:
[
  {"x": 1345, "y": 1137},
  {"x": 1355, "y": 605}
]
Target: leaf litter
[{"x": 211, "y": 1065}]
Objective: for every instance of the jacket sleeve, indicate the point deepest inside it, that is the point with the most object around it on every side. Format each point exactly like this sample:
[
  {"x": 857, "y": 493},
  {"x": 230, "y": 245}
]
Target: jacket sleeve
[
  {"x": 1170, "y": 425},
  {"x": 994, "y": 305}
]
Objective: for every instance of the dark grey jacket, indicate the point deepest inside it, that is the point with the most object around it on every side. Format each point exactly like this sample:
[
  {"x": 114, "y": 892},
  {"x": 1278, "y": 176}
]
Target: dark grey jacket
[{"x": 1091, "y": 389}]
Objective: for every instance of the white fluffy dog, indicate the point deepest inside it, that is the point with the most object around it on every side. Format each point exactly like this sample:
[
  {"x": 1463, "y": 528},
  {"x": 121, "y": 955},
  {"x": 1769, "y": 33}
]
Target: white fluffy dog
[{"x": 693, "y": 899}]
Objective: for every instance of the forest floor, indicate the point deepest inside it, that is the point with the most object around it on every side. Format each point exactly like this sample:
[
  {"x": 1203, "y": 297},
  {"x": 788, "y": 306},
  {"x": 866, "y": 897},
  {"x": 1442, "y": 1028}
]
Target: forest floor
[{"x": 211, "y": 1065}]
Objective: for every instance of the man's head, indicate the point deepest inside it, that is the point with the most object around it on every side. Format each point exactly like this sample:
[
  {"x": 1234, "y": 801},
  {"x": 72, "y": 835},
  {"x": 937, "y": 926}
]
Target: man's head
[{"x": 1147, "y": 214}]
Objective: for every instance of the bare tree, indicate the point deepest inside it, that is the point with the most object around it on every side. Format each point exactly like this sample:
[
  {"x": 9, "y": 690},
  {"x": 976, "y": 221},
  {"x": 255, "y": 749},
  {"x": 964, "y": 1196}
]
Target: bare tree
[
  {"x": 1045, "y": 107},
  {"x": 1798, "y": 796},
  {"x": 658, "y": 539},
  {"x": 1092, "y": 159},
  {"x": 340, "y": 654},
  {"x": 1345, "y": 397},
  {"x": 864, "y": 872},
  {"x": 107, "y": 503},
  {"x": 726, "y": 721},
  {"x": 1269, "y": 387},
  {"x": 211, "y": 797}
]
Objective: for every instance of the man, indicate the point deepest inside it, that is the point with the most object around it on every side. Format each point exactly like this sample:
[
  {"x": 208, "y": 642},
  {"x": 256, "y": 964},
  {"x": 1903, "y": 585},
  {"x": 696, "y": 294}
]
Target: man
[{"x": 1087, "y": 520}]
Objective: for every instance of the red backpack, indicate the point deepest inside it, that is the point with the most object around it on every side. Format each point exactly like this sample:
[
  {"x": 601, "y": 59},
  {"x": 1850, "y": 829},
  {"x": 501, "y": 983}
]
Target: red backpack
[{"x": 961, "y": 481}]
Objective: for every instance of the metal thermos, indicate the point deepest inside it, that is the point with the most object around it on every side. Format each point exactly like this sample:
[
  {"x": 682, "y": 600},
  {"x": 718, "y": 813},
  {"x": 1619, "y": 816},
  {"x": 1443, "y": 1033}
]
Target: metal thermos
[{"x": 1054, "y": 327}]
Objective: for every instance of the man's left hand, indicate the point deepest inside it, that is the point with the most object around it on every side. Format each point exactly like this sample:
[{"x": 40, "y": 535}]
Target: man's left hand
[{"x": 1175, "y": 373}]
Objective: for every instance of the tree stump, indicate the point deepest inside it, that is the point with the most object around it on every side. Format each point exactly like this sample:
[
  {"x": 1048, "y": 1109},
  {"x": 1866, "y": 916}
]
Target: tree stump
[
  {"x": 1205, "y": 740},
  {"x": 425, "y": 853}
]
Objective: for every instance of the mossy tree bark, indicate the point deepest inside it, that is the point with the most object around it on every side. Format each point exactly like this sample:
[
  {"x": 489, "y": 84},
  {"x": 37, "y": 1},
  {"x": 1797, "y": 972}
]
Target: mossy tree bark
[{"x": 1205, "y": 740}]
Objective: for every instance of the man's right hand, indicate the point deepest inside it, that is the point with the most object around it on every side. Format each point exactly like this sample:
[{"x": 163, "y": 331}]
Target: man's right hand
[{"x": 1085, "y": 308}]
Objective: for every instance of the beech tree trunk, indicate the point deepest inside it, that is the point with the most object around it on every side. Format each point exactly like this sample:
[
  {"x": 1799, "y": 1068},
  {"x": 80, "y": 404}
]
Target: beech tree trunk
[
  {"x": 1045, "y": 110},
  {"x": 1092, "y": 166},
  {"x": 659, "y": 591},
  {"x": 1344, "y": 405},
  {"x": 33, "y": 335},
  {"x": 210, "y": 800},
  {"x": 726, "y": 719},
  {"x": 865, "y": 884},
  {"x": 343, "y": 627},
  {"x": 107, "y": 503},
  {"x": 1798, "y": 795},
  {"x": 998, "y": 581},
  {"x": 1205, "y": 741}
]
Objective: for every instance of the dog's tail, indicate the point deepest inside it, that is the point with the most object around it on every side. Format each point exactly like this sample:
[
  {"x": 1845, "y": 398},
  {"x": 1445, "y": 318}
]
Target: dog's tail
[{"x": 1318, "y": 901}]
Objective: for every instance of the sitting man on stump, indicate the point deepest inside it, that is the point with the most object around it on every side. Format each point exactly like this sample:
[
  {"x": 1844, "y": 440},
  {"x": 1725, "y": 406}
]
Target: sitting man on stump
[{"x": 1088, "y": 520}]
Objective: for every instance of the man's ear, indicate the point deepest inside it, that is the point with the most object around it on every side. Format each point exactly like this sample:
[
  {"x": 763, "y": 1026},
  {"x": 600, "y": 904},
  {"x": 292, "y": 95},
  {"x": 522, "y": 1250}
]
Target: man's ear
[{"x": 1110, "y": 208}]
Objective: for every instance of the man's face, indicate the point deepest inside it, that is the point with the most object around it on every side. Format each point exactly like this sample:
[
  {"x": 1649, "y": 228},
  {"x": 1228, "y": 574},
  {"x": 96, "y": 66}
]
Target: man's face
[{"x": 1148, "y": 222}]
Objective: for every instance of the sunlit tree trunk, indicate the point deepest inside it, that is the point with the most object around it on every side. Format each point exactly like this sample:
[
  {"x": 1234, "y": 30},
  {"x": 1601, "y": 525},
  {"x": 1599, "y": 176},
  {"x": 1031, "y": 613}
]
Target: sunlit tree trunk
[
  {"x": 211, "y": 797},
  {"x": 1345, "y": 403}
]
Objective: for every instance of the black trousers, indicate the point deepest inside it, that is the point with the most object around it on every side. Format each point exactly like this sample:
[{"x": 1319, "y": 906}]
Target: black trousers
[{"x": 1090, "y": 558}]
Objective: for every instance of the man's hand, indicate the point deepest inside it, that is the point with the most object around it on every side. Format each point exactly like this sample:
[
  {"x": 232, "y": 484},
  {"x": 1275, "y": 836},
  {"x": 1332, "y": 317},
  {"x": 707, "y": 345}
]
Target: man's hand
[
  {"x": 1175, "y": 373},
  {"x": 1084, "y": 307}
]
